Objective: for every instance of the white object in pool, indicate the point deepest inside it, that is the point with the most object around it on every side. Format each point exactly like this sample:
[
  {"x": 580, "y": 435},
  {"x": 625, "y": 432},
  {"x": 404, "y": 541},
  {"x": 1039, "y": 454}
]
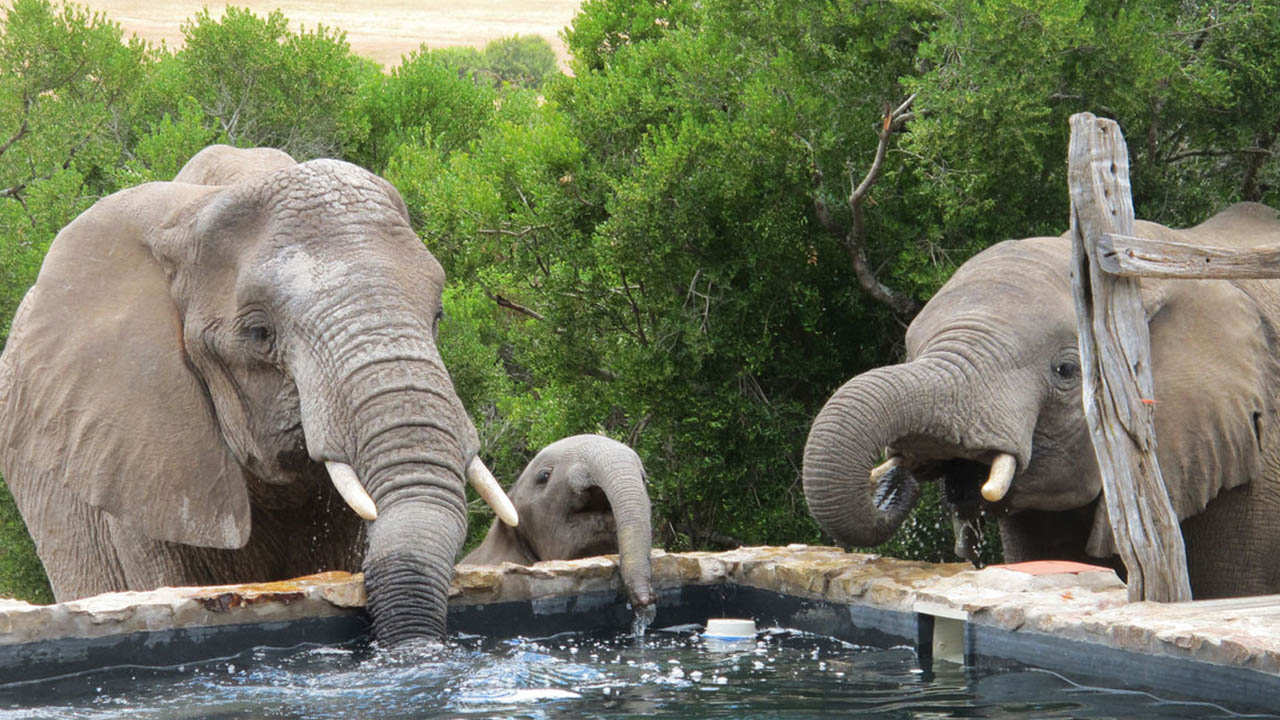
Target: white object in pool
[{"x": 730, "y": 629}]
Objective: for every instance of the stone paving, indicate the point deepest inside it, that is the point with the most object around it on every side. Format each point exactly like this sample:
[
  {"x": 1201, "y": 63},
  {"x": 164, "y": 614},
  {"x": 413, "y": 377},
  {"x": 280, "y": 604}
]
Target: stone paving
[{"x": 1067, "y": 600}]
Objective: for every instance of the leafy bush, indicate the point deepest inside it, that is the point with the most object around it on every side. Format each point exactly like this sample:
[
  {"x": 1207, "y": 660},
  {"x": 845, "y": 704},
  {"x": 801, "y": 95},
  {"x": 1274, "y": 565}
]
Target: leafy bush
[
  {"x": 524, "y": 60},
  {"x": 424, "y": 102},
  {"x": 267, "y": 86}
]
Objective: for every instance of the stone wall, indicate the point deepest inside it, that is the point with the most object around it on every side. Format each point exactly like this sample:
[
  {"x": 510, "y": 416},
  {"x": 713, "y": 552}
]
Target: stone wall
[{"x": 1064, "y": 600}]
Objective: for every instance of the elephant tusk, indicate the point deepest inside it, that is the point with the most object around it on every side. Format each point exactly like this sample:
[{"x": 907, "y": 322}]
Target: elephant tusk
[
  {"x": 349, "y": 487},
  {"x": 885, "y": 468},
  {"x": 485, "y": 484},
  {"x": 1001, "y": 477}
]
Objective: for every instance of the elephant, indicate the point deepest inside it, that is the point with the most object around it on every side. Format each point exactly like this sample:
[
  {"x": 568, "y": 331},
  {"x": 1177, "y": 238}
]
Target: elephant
[
  {"x": 580, "y": 496},
  {"x": 204, "y": 376},
  {"x": 988, "y": 401},
  {"x": 224, "y": 164}
]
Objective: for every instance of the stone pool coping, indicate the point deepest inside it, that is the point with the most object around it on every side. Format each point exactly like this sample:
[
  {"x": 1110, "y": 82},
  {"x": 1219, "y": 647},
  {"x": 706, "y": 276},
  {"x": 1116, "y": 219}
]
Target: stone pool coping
[{"x": 1064, "y": 601}]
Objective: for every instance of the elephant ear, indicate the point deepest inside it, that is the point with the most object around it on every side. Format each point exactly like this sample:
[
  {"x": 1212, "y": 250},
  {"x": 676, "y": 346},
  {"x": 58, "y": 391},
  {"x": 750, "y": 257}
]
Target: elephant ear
[
  {"x": 1216, "y": 373},
  {"x": 99, "y": 396}
]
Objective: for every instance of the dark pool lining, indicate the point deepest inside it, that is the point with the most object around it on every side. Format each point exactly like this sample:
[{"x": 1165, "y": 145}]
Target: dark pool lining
[{"x": 986, "y": 648}]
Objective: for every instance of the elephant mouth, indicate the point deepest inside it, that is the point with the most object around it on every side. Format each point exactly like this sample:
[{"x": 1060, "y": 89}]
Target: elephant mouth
[
  {"x": 593, "y": 501},
  {"x": 592, "y": 517},
  {"x": 966, "y": 477}
]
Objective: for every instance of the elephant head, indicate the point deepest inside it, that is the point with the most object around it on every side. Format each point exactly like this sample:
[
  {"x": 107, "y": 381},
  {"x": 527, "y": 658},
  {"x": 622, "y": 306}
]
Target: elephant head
[
  {"x": 196, "y": 362},
  {"x": 988, "y": 400},
  {"x": 580, "y": 496}
]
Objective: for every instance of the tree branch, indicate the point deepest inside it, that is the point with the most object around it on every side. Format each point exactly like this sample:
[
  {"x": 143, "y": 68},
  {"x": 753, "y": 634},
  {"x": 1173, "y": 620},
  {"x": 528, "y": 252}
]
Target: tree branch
[
  {"x": 511, "y": 305},
  {"x": 512, "y": 233},
  {"x": 635, "y": 310},
  {"x": 854, "y": 237},
  {"x": 1217, "y": 153},
  {"x": 22, "y": 130}
]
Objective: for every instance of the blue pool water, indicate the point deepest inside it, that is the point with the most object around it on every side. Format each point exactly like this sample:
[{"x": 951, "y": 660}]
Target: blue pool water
[{"x": 674, "y": 673}]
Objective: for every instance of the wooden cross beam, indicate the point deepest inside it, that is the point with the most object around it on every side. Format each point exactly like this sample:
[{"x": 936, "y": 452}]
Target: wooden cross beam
[{"x": 1128, "y": 256}]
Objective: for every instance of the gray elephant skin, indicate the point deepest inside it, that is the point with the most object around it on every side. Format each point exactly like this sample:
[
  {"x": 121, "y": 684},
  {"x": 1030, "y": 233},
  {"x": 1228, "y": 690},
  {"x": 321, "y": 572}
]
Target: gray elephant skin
[
  {"x": 579, "y": 497},
  {"x": 195, "y": 355},
  {"x": 992, "y": 379}
]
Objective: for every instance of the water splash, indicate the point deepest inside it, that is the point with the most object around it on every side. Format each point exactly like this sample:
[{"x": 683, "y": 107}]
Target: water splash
[{"x": 643, "y": 619}]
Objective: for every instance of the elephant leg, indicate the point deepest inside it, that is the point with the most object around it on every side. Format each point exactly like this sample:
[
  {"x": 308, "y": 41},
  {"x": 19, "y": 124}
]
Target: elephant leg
[
  {"x": 75, "y": 545},
  {"x": 1042, "y": 535},
  {"x": 1229, "y": 553},
  {"x": 146, "y": 563}
]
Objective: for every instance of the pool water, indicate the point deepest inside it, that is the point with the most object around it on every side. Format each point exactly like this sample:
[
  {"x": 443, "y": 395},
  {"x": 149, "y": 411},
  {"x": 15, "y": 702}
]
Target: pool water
[{"x": 673, "y": 673}]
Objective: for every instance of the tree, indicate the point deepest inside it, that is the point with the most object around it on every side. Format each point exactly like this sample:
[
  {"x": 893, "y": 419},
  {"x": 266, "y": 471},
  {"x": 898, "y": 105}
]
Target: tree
[
  {"x": 267, "y": 86},
  {"x": 66, "y": 82}
]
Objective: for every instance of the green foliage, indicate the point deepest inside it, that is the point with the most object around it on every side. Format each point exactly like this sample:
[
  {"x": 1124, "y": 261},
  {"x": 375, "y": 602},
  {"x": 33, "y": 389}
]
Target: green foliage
[
  {"x": 65, "y": 77},
  {"x": 660, "y": 223},
  {"x": 21, "y": 575},
  {"x": 267, "y": 86},
  {"x": 524, "y": 60},
  {"x": 425, "y": 101},
  {"x": 602, "y": 27},
  {"x": 168, "y": 145}
]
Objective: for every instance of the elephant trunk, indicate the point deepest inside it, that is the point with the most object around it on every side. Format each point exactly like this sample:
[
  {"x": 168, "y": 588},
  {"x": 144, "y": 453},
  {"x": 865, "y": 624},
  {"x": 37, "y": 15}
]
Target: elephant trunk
[
  {"x": 618, "y": 472},
  {"x": 412, "y": 441},
  {"x": 848, "y": 439}
]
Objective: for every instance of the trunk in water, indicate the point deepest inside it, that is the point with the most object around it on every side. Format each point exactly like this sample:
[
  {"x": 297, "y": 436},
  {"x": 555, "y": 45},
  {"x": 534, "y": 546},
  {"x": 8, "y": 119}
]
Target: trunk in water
[
  {"x": 848, "y": 440},
  {"x": 410, "y": 450},
  {"x": 623, "y": 484},
  {"x": 408, "y": 586}
]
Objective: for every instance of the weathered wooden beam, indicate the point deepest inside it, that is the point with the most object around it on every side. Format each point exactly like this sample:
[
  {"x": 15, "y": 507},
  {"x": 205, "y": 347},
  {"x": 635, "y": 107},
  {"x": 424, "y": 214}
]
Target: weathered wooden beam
[
  {"x": 1115, "y": 352},
  {"x": 1129, "y": 256}
]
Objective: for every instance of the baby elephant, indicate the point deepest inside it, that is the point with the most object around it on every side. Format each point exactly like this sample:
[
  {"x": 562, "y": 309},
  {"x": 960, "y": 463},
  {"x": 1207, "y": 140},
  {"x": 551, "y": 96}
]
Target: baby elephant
[{"x": 580, "y": 496}]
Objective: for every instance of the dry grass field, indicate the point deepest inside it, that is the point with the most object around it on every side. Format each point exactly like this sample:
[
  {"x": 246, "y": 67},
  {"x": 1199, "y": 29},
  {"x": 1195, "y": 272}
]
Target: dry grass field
[{"x": 383, "y": 30}]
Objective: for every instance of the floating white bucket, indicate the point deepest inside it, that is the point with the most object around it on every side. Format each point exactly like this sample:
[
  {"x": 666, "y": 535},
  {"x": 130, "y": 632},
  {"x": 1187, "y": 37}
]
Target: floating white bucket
[{"x": 730, "y": 629}]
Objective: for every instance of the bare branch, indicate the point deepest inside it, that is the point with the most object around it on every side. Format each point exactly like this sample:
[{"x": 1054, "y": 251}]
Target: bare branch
[
  {"x": 1265, "y": 152},
  {"x": 511, "y": 305},
  {"x": 854, "y": 237},
  {"x": 512, "y": 233},
  {"x": 633, "y": 437},
  {"x": 635, "y": 311},
  {"x": 22, "y": 130}
]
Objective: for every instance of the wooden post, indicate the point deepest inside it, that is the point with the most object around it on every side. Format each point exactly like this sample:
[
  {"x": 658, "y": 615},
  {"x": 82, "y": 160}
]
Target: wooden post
[{"x": 1115, "y": 354}]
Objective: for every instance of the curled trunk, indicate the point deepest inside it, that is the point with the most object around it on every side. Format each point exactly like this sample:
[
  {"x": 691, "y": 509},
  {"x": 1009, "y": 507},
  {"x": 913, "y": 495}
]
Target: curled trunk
[{"x": 848, "y": 439}]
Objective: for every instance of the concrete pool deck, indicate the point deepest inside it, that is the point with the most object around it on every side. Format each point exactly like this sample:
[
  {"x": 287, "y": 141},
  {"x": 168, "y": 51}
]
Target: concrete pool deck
[{"x": 1033, "y": 601}]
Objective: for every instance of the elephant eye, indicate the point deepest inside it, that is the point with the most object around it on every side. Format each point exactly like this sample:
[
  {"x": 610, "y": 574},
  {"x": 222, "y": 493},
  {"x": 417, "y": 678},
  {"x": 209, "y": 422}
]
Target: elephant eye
[
  {"x": 1067, "y": 370},
  {"x": 259, "y": 335},
  {"x": 543, "y": 476}
]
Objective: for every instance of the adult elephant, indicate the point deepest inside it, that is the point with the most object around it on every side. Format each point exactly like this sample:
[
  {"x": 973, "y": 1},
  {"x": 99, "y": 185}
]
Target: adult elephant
[
  {"x": 580, "y": 496},
  {"x": 204, "y": 376},
  {"x": 989, "y": 403}
]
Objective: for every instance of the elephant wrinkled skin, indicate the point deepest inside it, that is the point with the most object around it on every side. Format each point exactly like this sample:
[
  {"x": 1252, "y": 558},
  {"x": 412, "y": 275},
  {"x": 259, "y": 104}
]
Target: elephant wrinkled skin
[
  {"x": 193, "y": 357},
  {"x": 580, "y": 496},
  {"x": 992, "y": 377}
]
